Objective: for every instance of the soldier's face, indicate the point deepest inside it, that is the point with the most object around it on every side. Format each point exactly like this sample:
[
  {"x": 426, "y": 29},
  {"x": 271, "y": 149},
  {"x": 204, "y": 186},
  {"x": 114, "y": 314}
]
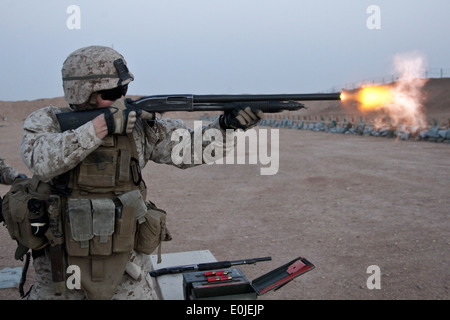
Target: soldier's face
[
  {"x": 106, "y": 98},
  {"x": 103, "y": 103}
]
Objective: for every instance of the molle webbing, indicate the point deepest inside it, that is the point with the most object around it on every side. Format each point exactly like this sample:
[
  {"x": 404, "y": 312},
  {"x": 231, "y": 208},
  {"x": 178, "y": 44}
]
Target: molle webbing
[
  {"x": 102, "y": 212},
  {"x": 108, "y": 171}
]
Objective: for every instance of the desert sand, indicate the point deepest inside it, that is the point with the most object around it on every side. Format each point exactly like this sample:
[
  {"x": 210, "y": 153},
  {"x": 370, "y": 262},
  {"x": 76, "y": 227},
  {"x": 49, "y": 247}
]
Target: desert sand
[{"x": 344, "y": 202}]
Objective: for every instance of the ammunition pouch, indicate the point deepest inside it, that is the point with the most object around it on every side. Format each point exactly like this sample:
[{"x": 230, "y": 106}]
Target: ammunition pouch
[
  {"x": 152, "y": 231},
  {"x": 104, "y": 226},
  {"x": 24, "y": 211},
  {"x": 101, "y": 233},
  {"x": 100, "y": 227}
]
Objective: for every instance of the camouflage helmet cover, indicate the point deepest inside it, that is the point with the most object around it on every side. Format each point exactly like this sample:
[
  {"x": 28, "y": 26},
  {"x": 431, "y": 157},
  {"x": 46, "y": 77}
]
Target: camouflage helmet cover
[{"x": 91, "y": 69}]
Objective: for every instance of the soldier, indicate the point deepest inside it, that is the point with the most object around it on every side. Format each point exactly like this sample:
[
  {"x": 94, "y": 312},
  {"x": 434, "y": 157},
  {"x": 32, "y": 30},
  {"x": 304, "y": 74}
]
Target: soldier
[
  {"x": 96, "y": 167},
  {"x": 7, "y": 176},
  {"x": 7, "y": 173}
]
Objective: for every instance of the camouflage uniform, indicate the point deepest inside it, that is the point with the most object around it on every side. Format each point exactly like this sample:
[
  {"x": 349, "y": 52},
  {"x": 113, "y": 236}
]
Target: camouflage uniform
[
  {"x": 49, "y": 153},
  {"x": 88, "y": 74},
  {"x": 7, "y": 173}
]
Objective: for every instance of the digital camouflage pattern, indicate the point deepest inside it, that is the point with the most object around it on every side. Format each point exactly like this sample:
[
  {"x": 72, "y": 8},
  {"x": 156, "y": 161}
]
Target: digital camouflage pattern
[
  {"x": 7, "y": 173},
  {"x": 48, "y": 153},
  {"x": 135, "y": 285}
]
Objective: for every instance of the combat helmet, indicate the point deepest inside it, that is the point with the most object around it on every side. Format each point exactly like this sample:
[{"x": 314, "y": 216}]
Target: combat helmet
[{"x": 92, "y": 69}]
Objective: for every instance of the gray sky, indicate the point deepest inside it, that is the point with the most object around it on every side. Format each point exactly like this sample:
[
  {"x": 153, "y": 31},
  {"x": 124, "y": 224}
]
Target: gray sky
[{"x": 219, "y": 46}]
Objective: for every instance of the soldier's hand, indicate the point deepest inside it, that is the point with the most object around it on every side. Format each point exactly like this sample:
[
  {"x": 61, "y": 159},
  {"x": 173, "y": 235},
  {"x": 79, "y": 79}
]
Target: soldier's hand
[
  {"x": 149, "y": 116},
  {"x": 244, "y": 118},
  {"x": 120, "y": 119}
]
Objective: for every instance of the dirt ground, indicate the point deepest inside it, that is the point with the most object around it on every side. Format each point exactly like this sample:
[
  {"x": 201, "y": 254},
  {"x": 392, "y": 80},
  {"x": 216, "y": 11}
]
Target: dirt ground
[{"x": 343, "y": 202}]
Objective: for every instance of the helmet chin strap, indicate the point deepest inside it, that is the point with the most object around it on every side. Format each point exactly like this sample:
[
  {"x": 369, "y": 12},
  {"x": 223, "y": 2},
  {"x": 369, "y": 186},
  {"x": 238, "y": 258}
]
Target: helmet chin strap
[{"x": 92, "y": 101}]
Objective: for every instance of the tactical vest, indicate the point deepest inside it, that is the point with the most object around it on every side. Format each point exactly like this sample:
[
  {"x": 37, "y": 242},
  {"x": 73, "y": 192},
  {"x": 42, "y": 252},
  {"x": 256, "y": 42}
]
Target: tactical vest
[{"x": 103, "y": 214}]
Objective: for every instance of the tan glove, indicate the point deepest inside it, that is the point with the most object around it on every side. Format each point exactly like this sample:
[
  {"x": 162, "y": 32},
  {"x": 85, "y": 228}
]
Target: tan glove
[
  {"x": 241, "y": 118},
  {"x": 140, "y": 112},
  {"x": 120, "y": 119}
]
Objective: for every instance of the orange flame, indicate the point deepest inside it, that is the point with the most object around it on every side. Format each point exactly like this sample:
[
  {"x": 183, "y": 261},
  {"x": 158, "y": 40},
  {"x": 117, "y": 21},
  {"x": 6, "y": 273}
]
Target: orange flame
[
  {"x": 370, "y": 98},
  {"x": 374, "y": 98},
  {"x": 402, "y": 100}
]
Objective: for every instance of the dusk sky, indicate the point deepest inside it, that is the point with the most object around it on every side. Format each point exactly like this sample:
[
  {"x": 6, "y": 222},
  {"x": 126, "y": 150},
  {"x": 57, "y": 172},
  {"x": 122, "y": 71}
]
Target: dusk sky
[{"x": 220, "y": 46}]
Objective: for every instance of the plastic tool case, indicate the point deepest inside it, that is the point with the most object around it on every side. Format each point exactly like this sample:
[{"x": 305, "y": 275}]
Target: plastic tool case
[{"x": 233, "y": 284}]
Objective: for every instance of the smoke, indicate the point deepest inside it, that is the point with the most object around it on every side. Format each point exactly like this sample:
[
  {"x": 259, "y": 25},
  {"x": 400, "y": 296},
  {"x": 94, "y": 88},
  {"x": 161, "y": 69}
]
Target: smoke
[{"x": 407, "y": 107}]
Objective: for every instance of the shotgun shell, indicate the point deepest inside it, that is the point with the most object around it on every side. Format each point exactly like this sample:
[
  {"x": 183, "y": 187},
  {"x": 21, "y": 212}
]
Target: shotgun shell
[
  {"x": 219, "y": 278},
  {"x": 216, "y": 273}
]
